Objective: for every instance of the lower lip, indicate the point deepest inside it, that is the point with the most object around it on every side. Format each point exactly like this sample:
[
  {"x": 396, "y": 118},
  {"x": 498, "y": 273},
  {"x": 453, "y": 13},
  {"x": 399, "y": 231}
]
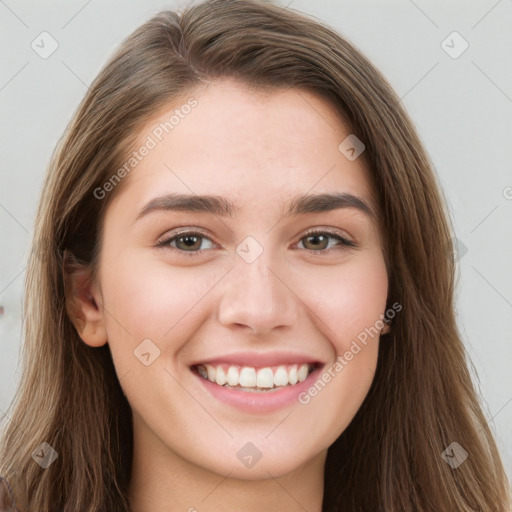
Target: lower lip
[{"x": 259, "y": 401}]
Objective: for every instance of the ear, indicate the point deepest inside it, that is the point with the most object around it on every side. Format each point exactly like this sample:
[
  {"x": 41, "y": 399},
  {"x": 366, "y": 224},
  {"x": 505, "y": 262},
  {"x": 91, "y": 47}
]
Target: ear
[{"x": 84, "y": 303}]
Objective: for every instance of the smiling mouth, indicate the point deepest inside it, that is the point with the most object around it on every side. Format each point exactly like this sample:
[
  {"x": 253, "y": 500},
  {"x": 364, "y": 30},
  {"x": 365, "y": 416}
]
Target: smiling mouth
[{"x": 251, "y": 379}]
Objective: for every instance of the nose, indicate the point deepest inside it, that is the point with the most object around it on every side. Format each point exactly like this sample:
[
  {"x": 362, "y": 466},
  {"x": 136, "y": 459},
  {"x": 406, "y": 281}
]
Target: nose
[{"x": 258, "y": 296}]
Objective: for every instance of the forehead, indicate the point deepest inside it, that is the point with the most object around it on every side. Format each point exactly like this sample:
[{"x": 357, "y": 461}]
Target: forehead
[{"x": 253, "y": 146}]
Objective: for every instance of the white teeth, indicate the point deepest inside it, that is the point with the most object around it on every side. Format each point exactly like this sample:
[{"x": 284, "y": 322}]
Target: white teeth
[
  {"x": 211, "y": 372},
  {"x": 302, "y": 374},
  {"x": 249, "y": 377},
  {"x": 281, "y": 376},
  {"x": 220, "y": 376},
  {"x": 292, "y": 375},
  {"x": 265, "y": 378},
  {"x": 233, "y": 376}
]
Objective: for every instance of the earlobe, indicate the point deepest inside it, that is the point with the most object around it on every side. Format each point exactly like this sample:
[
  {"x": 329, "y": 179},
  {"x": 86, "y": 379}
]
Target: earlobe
[
  {"x": 386, "y": 328},
  {"x": 83, "y": 301}
]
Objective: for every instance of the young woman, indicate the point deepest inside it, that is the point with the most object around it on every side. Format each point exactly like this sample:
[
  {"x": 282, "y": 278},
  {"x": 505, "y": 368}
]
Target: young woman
[{"x": 242, "y": 297}]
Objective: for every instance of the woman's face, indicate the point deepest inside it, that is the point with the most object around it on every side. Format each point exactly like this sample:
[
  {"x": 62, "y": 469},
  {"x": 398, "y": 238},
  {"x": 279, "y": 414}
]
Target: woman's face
[{"x": 235, "y": 288}]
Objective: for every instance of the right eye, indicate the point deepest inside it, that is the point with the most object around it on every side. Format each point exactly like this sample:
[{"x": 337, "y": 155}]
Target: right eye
[{"x": 185, "y": 242}]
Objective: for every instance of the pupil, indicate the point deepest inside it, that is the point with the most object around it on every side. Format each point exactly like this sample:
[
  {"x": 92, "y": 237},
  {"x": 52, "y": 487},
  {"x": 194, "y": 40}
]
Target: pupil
[
  {"x": 192, "y": 239},
  {"x": 317, "y": 238}
]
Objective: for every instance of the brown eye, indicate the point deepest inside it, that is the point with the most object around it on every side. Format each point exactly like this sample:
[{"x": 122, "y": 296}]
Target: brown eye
[
  {"x": 316, "y": 242},
  {"x": 319, "y": 241},
  {"x": 189, "y": 241}
]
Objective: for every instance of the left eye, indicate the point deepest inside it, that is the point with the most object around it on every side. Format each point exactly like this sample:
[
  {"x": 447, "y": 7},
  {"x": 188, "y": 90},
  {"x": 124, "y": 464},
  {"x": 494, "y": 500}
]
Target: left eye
[
  {"x": 320, "y": 237},
  {"x": 190, "y": 241}
]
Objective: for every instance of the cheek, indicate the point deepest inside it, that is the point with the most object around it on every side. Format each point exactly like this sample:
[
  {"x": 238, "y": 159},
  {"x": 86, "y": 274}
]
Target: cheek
[
  {"x": 351, "y": 321},
  {"x": 346, "y": 303},
  {"x": 147, "y": 299},
  {"x": 348, "y": 299}
]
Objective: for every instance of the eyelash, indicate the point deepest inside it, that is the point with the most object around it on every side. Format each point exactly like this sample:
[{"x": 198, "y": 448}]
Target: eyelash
[{"x": 344, "y": 242}]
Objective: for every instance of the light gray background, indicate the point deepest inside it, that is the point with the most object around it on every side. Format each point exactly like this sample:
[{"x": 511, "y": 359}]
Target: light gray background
[{"x": 462, "y": 108}]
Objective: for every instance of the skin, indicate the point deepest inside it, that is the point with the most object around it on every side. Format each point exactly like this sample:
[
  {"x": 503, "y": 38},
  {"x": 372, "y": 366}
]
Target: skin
[{"x": 258, "y": 150}]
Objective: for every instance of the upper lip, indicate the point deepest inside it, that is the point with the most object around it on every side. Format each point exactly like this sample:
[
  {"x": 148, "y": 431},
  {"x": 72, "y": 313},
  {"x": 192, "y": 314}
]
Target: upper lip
[{"x": 261, "y": 359}]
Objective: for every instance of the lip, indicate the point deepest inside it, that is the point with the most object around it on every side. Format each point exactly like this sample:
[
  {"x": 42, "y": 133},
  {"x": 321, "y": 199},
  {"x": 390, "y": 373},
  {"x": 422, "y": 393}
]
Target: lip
[
  {"x": 261, "y": 359},
  {"x": 259, "y": 402}
]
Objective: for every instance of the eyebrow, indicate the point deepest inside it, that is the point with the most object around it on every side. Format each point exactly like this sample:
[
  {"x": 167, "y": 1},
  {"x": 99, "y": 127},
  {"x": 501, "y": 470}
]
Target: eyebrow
[{"x": 218, "y": 205}]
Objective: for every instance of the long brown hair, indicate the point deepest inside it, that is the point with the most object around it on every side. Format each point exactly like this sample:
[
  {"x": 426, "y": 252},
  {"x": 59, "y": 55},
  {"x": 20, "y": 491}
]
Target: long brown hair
[{"x": 422, "y": 398}]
